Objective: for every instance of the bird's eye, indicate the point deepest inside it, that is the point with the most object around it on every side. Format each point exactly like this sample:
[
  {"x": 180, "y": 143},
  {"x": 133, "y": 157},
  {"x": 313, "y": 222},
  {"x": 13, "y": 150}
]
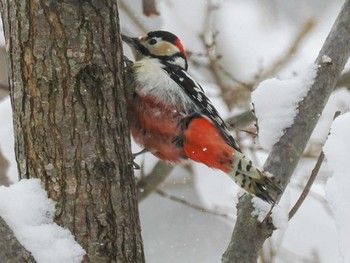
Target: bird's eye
[{"x": 152, "y": 41}]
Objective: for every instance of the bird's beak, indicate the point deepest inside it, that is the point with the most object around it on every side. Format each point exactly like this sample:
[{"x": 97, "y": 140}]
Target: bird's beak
[
  {"x": 136, "y": 47},
  {"x": 131, "y": 41}
]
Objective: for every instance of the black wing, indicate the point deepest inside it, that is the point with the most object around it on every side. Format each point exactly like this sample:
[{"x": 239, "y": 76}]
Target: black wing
[{"x": 196, "y": 93}]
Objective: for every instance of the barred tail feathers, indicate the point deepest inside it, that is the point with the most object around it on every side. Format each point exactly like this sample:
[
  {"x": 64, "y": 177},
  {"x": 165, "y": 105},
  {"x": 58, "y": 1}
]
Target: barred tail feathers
[{"x": 252, "y": 180}]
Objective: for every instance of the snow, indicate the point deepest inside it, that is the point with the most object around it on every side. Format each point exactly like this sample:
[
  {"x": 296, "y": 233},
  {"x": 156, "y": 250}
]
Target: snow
[
  {"x": 276, "y": 100},
  {"x": 280, "y": 216},
  {"x": 261, "y": 208},
  {"x": 337, "y": 152},
  {"x": 279, "y": 213},
  {"x": 326, "y": 59},
  {"x": 30, "y": 213},
  {"x": 339, "y": 100}
]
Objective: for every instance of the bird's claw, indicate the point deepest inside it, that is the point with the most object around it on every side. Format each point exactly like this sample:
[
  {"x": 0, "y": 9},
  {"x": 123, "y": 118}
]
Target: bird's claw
[
  {"x": 135, "y": 165},
  {"x": 134, "y": 155}
]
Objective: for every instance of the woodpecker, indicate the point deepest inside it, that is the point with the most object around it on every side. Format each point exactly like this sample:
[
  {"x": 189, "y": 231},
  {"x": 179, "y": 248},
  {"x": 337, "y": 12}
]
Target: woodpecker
[{"x": 171, "y": 117}]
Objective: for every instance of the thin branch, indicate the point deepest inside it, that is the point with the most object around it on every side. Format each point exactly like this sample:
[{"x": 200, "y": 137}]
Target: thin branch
[
  {"x": 307, "y": 186},
  {"x": 5, "y": 87},
  {"x": 131, "y": 14},
  {"x": 241, "y": 120},
  {"x": 189, "y": 204},
  {"x": 344, "y": 80},
  {"x": 149, "y": 183},
  {"x": 310, "y": 181},
  {"x": 249, "y": 235},
  {"x": 149, "y": 8},
  {"x": 286, "y": 57},
  {"x": 232, "y": 93},
  {"x": 237, "y": 91},
  {"x": 316, "y": 197},
  {"x": 4, "y": 91}
]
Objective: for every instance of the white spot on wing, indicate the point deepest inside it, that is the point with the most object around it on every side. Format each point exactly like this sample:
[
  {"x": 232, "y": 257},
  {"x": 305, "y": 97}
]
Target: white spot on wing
[
  {"x": 218, "y": 120},
  {"x": 196, "y": 85},
  {"x": 210, "y": 108}
]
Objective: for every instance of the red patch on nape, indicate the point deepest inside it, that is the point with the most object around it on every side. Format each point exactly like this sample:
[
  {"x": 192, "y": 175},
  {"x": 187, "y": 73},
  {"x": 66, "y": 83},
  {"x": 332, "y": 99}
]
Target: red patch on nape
[{"x": 181, "y": 47}]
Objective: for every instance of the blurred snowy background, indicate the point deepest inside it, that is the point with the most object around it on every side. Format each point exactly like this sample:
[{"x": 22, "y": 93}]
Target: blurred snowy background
[{"x": 233, "y": 46}]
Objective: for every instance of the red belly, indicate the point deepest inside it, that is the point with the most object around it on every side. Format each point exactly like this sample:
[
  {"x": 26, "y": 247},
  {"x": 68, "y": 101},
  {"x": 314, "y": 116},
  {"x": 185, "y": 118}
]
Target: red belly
[{"x": 154, "y": 126}]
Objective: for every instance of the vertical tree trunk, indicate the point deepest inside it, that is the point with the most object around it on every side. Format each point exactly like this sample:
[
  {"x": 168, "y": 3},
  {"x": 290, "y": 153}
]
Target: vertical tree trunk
[{"x": 70, "y": 123}]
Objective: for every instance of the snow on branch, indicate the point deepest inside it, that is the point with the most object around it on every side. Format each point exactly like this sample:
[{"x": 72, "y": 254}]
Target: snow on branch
[
  {"x": 277, "y": 113},
  {"x": 249, "y": 234},
  {"x": 29, "y": 213}
]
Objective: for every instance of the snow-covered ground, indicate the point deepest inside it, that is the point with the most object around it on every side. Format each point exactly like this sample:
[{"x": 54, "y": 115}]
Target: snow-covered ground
[{"x": 252, "y": 36}]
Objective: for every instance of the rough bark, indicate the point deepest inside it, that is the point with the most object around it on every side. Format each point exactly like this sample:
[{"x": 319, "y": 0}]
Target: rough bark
[
  {"x": 11, "y": 250},
  {"x": 70, "y": 124},
  {"x": 249, "y": 235}
]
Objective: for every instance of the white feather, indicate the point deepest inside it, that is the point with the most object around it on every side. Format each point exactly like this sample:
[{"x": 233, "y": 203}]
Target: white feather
[{"x": 154, "y": 81}]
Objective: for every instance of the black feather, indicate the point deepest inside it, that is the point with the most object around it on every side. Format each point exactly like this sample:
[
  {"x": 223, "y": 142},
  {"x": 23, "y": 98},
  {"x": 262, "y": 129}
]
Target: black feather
[{"x": 197, "y": 95}]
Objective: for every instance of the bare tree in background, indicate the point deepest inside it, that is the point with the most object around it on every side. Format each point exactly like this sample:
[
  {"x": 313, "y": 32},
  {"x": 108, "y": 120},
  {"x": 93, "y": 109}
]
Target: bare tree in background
[{"x": 70, "y": 125}]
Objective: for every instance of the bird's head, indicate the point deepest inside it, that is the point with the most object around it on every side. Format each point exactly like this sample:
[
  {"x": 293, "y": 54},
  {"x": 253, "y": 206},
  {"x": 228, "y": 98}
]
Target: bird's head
[{"x": 161, "y": 45}]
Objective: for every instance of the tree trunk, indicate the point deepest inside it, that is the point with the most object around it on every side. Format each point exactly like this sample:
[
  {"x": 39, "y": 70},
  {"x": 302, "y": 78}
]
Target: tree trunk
[{"x": 70, "y": 125}]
